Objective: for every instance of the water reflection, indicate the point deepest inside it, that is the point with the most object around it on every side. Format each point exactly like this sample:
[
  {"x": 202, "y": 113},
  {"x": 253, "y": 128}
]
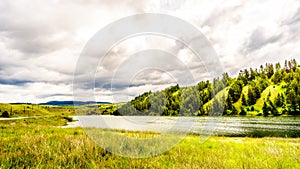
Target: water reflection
[{"x": 220, "y": 126}]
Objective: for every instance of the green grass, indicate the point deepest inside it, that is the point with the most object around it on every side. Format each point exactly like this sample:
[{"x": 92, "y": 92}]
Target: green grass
[
  {"x": 24, "y": 110},
  {"x": 272, "y": 89},
  {"x": 39, "y": 143},
  {"x": 108, "y": 108},
  {"x": 48, "y": 121},
  {"x": 217, "y": 96},
  {"x": 238, "y": 104}
]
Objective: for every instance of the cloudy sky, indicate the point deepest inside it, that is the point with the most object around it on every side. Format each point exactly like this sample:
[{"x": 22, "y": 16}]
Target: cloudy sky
[{"x": 41, "y": 43}]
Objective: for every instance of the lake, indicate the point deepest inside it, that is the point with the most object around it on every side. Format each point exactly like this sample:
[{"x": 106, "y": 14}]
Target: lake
[{"x": 219, "y": 126}]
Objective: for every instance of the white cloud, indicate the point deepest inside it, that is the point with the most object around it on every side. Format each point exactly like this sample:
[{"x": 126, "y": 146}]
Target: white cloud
[
  {"x": 40, "y": 42},
  {"x": 35, "y": 92}
]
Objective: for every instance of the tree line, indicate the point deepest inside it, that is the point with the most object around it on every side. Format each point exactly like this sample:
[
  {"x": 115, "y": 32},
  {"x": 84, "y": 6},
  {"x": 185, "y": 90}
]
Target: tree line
[{"x": 226, "y": 95}]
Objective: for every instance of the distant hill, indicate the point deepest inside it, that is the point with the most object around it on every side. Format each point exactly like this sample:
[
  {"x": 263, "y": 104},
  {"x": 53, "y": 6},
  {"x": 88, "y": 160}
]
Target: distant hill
[
  {"x": 71, "y": 103},
  {"x": 270, "y": 90}
]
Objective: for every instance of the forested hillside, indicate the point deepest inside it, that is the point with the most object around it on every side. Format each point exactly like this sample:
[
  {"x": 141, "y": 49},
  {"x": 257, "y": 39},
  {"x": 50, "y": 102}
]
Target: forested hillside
[{"x": 269, "y": 90}]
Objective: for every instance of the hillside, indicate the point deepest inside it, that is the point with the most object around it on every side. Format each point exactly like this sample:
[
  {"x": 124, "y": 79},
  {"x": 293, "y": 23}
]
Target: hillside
[
  {"x": 270, "y": 90},
  {"x": 57, "y": 108},
  {"x": 23, "y": 110}
]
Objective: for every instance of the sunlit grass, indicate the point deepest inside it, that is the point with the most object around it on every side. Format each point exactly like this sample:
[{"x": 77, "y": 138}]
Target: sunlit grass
[
  {"x": 23, "y": 110},
  {"x": 273, "y": 90},
  {"x": 42, "y": 145},
  {"x": 238, "y": 104}
]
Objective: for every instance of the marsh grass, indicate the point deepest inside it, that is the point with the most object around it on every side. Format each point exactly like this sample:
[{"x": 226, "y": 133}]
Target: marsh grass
[{"x": 39, "y": 144}]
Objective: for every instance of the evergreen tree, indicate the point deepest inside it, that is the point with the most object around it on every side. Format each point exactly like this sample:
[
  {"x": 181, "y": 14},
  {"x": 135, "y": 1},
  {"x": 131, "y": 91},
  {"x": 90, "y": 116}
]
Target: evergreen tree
[
  {"x": 277, "y": 77},
  {"x": 256, "y": 92},
  {"x": 242, "y": 77},
  {"x": 251, "y": 96},
  {"x": 265, "y": 109},
  {"x": 277, "y": 66},
  {"x": 190, "y": 102},
  {"x": 216, "y": 108},
  {"x": 234, "y": 110},
  {"x": 246, "y": 75},
  {"x": 279, "y": 100},
  {"x": 293, "y": 96},
  {"x": 292, "y": 99},
  {"x": 226, "y": 79},
  {"x": 269, "y": 70},
  {"x": 285, "y": 65},
  {"x": 201, "y": 109},
  {"x": 283, "y": 100},
  {"x": 261, "y": 68},
  {"x": 252, "y": 74},
  {"x": 273, "y": 109},
  {"x": 294, "y": 64},
  {"x": 243, "y": 111},
  {"x": 244, "y": 102},
  {"x": 228, "y": 104},
  {"x": 235, "y": 90}
]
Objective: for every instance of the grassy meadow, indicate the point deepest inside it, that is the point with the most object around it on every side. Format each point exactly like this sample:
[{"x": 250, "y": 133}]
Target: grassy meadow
[
  {"x": 37, "y": 140},
  {"x": 41, "y": 143},
  {"x": 25, "y": 110}
]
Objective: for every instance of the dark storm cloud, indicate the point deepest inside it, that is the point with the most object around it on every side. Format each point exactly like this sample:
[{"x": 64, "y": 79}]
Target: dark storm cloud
[
  {"x": 14, "y": 82},
  {"x": 259, "y": 39}
]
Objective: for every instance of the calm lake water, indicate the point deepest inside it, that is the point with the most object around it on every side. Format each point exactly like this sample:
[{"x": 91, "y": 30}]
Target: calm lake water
[{"x": 221, "y": 126}]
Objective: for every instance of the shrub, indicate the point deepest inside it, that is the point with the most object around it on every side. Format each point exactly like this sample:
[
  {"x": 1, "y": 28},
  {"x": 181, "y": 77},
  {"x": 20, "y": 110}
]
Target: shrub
[
  {"x": 5, "y": 114},
  {"x": 243, "y": 112},
  {"x": 69, "y": 119}
]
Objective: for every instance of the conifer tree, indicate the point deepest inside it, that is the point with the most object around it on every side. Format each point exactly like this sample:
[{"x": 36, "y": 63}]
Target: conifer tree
[
  {"x": 244, "y": 102},
  {"x": 251, "y": 96},
  {"x": 265, "y": 109}
]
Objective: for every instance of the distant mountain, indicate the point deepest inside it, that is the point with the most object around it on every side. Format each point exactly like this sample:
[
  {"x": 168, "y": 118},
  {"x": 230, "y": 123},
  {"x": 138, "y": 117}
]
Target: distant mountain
[{"x": 70, "y": 103}]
